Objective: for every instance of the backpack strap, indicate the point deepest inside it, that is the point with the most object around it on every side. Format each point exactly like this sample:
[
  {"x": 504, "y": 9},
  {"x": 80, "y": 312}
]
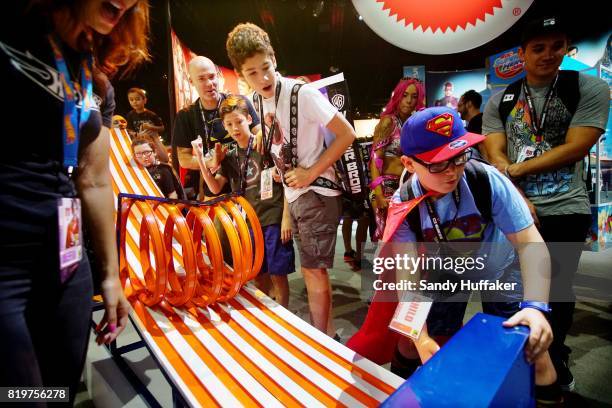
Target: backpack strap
[
  {"x": 414, "y": 216},
  {"x": 293, "y": 122},
  {"x": 509, "y": 100},
  {"x": 480, "y": 186},
  {"x": 568, "y": 90}
]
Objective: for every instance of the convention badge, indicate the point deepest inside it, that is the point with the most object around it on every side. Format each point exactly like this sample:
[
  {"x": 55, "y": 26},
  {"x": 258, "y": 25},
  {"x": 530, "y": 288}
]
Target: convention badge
[
  {"x": 527, "y": 152},
  {"x": 410, "y": 315},
  {"x": 266, "y": 184},
  {"x": 70, "y": 236}
]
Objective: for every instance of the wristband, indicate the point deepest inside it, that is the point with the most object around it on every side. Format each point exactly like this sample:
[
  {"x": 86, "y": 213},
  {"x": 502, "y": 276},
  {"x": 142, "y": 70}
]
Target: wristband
[{"x": 541, "y": 306}]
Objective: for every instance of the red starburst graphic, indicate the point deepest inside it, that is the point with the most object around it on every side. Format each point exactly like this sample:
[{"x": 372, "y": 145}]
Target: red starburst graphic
[{"x": 440, "y": 14}]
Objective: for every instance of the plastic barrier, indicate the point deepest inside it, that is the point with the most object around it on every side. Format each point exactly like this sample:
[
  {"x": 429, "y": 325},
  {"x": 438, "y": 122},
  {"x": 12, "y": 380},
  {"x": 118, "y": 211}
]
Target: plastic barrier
[{"x": 483, "y": 365}]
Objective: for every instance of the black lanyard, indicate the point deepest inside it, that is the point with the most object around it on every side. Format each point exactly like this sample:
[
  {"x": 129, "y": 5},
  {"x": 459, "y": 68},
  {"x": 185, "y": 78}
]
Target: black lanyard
[
  {"x": 435, "y": 218},
  {"x": 538, "y": 125},
  {"x": 208, "y": 132},
  {"x": 244, "y": 166},
  {"x": 268, "y": 140}
]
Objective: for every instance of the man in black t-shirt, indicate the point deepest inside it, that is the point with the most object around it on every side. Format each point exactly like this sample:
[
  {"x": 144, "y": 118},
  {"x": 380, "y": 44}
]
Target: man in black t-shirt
[
  {"x": 202, "y": 119},
  {"x": 469, "y": 109}
]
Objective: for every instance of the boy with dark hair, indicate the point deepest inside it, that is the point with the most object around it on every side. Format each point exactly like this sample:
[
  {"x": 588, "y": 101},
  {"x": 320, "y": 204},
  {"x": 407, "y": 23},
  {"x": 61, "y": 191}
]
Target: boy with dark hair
[
  {"x": 144, "y": 122},
  {"x": 244, "y": 168},
  {"x": 295, "y": 112},
  {"x": 539, "y": 129},
  {"x": 469, "y": 109}
]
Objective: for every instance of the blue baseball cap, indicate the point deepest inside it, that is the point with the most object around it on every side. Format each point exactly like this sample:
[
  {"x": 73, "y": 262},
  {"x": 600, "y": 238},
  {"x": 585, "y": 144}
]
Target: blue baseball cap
[{"x": 437, "y": 134}]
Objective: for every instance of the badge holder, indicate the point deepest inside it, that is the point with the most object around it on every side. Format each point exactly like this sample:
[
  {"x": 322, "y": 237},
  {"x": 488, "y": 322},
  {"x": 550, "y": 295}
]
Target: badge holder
[{"x": 70, "y": 236}]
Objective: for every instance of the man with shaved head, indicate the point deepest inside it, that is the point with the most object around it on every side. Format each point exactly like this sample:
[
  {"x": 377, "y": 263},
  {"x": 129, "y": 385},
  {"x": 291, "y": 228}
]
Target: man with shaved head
[{"x": 202, "y": 118}]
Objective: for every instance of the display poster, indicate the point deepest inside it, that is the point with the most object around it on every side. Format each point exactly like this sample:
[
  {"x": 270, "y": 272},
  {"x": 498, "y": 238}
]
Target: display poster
[
  {"x": 415, "y": 71},
  {"x": 504, "y": 68},
  {"x": 445, "y": 88}
]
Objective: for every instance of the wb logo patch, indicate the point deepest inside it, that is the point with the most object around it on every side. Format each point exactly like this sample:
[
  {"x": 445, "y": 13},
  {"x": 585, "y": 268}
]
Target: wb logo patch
[
  {"x": 508, "y": 98},
  {"x": 338, "y": 101}
]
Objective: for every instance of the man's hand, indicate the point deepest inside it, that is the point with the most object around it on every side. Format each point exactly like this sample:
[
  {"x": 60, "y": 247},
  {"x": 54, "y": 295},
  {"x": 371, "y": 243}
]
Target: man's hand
[
  {"x": 540, "y": 335},
  {"x": 298, "y": 178}
]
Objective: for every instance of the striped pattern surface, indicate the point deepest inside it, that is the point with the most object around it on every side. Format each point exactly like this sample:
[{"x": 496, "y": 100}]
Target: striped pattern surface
[{"x": 248, "y": 351}]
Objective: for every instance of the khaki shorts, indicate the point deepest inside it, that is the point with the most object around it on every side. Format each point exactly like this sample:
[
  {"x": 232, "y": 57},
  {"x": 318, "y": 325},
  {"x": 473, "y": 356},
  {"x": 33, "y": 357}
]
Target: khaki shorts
[{"x": 314, "y": 220}]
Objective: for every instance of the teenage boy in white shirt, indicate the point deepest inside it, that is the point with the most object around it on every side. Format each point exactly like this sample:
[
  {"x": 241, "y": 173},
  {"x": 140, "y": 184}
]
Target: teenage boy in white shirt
[{"x": 315, "y": 210}]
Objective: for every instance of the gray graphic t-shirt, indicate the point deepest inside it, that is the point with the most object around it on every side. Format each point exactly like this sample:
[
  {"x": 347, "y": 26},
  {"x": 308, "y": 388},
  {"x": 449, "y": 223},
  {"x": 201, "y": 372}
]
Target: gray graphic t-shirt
[{"x": 562, "y": 191}]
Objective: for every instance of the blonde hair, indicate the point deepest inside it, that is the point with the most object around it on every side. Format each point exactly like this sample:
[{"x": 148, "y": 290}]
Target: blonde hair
[
  {"x": 233, "y": 103},
  {"x": 246, "y": 40}
]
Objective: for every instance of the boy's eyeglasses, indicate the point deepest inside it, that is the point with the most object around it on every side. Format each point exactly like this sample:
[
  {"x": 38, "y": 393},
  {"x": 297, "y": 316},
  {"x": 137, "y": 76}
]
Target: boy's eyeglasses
[
  {"x": 146, "y": 153},
  {"x": 442, "y": 166}
]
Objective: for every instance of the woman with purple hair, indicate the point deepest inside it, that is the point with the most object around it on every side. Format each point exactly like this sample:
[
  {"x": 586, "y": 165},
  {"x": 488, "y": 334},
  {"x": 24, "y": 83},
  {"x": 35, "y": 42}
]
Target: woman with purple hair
[{"x": 385, "y": 165}]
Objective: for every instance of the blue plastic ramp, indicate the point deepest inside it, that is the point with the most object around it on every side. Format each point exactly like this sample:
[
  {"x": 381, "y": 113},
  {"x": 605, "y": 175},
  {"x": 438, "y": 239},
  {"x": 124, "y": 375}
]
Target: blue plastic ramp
[{"x": 483, "y": 365}]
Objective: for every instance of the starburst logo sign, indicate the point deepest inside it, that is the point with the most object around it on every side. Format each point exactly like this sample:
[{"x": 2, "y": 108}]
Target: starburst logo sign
[{"x": 440, "y": 26}]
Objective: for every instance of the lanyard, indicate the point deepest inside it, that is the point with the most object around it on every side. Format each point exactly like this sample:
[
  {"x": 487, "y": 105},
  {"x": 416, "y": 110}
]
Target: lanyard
[
  {"x": 268, "y": 140},
  {"x": 208, "y": 132},
  {"x": 435, "y": 218},
  {"x": 73, "y": 120},
  {"x": 538, "y": 125},
  {"x": 244, "y": 166}
]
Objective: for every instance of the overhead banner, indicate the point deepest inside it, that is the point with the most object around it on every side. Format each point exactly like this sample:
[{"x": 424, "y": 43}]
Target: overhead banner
[
  {"x": 445, "y": 88},
  {"x": 440, "y": 26}
]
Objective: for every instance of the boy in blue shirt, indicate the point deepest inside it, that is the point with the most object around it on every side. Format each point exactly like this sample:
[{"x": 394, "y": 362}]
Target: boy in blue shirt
[
  {"x": 436, "y": 151},
  {"x": 248, "y": 171}
]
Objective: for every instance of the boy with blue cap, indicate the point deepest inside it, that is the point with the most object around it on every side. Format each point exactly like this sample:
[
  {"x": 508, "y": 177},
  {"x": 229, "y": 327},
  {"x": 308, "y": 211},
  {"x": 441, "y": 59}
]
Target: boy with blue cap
[{"x": 458, "y": 200}]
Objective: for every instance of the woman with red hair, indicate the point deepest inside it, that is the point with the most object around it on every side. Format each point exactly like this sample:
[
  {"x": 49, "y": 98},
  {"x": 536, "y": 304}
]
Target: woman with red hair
[
  {"x": 385, "y": 165},
  {"x": 56, "y": 58}
]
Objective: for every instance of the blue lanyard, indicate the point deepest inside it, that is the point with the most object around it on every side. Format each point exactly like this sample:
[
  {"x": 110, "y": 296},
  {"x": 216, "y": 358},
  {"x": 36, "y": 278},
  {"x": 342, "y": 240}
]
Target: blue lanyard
[{"x": 73, "y": 120}]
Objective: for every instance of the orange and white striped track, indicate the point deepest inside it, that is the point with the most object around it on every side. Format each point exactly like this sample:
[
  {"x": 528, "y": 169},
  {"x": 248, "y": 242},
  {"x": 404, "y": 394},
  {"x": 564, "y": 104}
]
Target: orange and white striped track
[{"x": 247, "y": 351}]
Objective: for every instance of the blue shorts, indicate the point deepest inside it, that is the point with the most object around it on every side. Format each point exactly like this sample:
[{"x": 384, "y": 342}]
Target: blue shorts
[{"x": 279, "y": 258}]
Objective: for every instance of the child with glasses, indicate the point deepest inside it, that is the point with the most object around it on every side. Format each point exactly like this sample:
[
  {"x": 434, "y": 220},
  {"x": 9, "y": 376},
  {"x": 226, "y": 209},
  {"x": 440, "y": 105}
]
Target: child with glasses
[
  {"x": 145, "y": 155},
  {"x": 436, "y": 151}
]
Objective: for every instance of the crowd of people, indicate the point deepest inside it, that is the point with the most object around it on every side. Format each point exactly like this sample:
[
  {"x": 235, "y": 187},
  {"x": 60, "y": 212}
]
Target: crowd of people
[{"x": 511, "y": 175}]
